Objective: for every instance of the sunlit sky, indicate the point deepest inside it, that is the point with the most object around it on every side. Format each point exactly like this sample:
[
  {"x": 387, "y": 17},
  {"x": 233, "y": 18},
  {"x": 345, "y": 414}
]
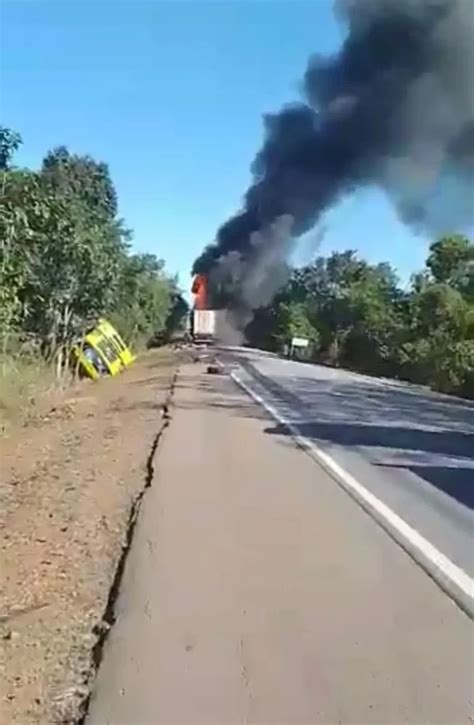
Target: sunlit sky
[{"x": 171, "y": 95}]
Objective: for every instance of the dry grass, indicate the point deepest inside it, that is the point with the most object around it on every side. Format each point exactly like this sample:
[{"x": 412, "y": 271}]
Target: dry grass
[
  {"x": 28, "y": 385},
  {"x": 22, "y": 383}
]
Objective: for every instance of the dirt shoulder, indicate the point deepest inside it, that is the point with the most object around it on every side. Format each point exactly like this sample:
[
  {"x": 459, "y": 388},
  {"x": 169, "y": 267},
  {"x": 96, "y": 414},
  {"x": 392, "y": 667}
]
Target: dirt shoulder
[{"x": 68, "y": 484}]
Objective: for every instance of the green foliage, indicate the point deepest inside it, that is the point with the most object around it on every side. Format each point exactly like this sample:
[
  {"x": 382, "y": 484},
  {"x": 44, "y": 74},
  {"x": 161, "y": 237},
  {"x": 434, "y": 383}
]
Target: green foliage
[
  {"x": 440, "y": 308},
  {"x": 449, "y": 258},
  {"x": 17, "y": 241},
  {"x": 144, "y": 299},
  {"x": 10, "y": 141},
  {"x": 64, "y": 256},
  {"x": 293, "y": 321},
  {"x": 82, "y": 179},
  {"x": 358, "y": 317}
]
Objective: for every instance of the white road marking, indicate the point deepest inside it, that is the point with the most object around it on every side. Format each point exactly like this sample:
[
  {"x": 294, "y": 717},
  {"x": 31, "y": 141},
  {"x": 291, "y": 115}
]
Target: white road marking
[{"x": 450, "y": 577}]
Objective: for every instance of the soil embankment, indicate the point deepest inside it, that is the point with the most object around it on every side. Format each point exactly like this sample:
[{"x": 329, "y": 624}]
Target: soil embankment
[{"x": 70, "y": 483}]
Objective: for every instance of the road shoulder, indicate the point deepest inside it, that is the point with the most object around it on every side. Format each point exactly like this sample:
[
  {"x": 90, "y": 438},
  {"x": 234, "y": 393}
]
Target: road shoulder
[{"x": 257, "y": 591}]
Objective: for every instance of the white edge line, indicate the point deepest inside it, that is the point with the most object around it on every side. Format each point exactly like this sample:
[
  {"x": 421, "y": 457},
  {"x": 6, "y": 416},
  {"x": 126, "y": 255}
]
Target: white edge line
[{"x": 450, "y": 577}]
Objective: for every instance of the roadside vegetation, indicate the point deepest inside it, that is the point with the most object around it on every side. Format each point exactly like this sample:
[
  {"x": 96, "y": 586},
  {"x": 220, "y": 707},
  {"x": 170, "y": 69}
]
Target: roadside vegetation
[
  {"x": 65, "y": 261},
  {"x": 74, "y": 472},
  {"x": 356, "y": 315}
]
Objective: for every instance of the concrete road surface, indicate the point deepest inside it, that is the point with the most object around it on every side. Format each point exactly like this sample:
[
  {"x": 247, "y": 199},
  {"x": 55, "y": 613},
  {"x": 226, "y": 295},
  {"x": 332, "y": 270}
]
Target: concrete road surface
[{"x": 257, "y": 591}]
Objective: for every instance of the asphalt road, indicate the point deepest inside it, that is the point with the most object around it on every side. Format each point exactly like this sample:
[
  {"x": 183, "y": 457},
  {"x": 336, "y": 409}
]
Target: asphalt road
[
  {"x": 257, "y": 591},
  {"x": 414, "y": 449}
]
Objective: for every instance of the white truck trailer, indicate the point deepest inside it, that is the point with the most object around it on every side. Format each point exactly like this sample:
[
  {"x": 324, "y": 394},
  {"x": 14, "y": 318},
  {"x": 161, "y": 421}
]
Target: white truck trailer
[{"x": 204, "y": 326}]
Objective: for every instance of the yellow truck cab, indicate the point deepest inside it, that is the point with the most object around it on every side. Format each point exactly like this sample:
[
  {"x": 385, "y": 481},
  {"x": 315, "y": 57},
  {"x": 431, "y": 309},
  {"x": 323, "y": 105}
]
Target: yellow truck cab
[
  {"x": 125, "y": 354},
  {"x": 102, "y": 352}
]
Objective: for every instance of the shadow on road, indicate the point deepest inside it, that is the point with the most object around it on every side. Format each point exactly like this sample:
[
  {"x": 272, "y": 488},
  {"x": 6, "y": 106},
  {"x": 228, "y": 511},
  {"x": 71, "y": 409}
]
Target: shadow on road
[
  {"x": 445, "y": 443},
  {"x": 368, "y": 400},
  {"x": 456, "y": 482},
  {"x": 393, "y": 426}
]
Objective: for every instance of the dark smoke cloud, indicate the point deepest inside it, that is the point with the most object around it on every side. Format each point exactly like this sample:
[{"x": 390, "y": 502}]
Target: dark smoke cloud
[{"x": 394, "y": 107}]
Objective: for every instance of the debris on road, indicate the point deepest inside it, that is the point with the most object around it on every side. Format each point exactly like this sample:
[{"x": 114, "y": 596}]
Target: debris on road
[{"x": 215, "y": 368}]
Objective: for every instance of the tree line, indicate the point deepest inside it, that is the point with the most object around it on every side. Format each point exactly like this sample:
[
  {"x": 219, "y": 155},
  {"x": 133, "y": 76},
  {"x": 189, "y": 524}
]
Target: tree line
[
  {"x": 356, "y": 315},
  {"x": 65, "y": 258}
]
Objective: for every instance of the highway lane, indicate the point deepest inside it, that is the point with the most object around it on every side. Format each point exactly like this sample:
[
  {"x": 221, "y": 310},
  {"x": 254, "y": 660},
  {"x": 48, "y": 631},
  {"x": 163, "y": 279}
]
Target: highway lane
[
  {"x": 256, "y": 591},
  {"x": 412, "y": 448}
]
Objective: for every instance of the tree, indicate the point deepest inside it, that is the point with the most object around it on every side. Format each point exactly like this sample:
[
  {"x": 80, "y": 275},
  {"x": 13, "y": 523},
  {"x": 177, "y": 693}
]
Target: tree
[
  {"x": 76, "y": 251},
  {"x": 450, "y": 258},
  {"x": 361, "y": 319},
  {"x": 440, "y": 307},
  {"x": 10, "y": 142},
  {"x": 81, "y": 178},
  {"x": 352, "y": 306},
  {"x": 293, "y": 321},
  {"x": 144, "y": 297},
  {"x": 22, "y": 209},
  {"x": 64, "y": 255}
]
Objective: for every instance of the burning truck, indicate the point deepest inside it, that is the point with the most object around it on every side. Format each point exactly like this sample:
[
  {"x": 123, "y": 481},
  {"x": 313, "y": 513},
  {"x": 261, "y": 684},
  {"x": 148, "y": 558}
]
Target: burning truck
[{"x": 204, "y": 321}]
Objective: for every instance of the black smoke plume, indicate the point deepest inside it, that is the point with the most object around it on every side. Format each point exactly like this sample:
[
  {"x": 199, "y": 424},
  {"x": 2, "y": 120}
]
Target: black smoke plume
[{"x": 394, "y": 108}]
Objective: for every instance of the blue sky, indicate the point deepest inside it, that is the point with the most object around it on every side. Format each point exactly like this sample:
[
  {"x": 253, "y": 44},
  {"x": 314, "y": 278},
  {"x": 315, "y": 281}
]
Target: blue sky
[{"x": 171, "y": 95}]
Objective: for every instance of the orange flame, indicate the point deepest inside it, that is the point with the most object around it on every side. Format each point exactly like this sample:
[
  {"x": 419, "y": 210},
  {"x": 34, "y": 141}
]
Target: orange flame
[{"x": 199, "y": 290}]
